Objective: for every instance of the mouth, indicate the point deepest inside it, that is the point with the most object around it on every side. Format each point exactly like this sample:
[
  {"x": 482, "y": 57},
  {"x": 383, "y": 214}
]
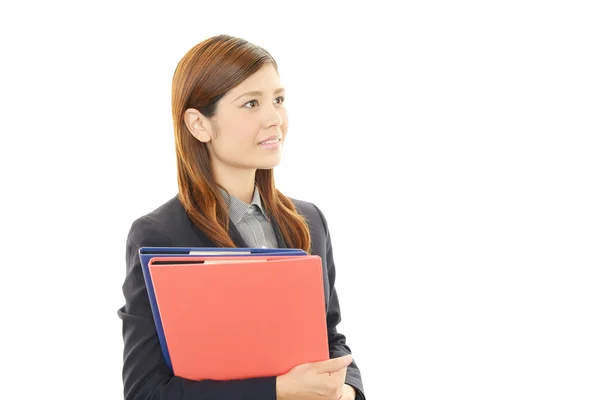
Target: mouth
[{"x": 270, "y": 140}]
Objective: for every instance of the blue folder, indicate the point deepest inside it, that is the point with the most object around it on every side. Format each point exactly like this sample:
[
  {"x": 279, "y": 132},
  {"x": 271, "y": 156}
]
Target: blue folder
[{"x": 147, "y": 253}]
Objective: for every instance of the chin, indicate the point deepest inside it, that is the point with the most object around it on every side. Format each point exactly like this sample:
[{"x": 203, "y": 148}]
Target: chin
[{"x": 270, "y": 165}]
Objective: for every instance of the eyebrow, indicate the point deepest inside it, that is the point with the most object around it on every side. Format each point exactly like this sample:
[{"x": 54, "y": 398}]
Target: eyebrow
[{"x": 257, "y": 93}]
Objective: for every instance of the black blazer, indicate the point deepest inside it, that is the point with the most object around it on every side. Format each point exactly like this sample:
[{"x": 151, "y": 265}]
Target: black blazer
[{"x": 145, "y": 374}]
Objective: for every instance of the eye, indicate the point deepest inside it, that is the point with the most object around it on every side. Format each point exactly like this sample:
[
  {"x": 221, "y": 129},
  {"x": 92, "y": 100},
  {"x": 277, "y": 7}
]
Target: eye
[
  {"x": 281, "y": 99},
  {"x": 253, "y": 102}
]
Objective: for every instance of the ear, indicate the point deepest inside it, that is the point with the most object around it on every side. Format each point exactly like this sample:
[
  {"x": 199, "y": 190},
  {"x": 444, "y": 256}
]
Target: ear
[{"x": 198, "y": 125}]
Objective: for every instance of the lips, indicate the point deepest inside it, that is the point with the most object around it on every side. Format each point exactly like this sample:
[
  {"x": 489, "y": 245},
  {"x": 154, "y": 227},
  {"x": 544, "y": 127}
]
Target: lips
[{"x": 271, "y": 139}]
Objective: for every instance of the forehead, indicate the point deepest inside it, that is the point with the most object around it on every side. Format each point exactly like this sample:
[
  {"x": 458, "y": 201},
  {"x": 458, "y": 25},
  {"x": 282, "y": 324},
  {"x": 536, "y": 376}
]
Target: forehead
[{"x": 265, "y": 79}]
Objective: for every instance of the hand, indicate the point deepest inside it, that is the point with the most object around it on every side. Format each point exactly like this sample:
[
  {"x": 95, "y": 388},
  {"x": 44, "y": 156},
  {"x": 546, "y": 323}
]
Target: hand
[
  {"x": 348, "y": 393},
  {"x": 323, "y": 380}
]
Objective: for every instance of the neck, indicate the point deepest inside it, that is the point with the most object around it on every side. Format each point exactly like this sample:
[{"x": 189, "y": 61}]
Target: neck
[{"x": 238, "y": 182}]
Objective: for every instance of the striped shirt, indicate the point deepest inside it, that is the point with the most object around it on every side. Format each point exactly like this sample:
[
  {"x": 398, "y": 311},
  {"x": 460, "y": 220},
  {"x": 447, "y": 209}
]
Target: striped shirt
[{"x": 251, "y": 221}]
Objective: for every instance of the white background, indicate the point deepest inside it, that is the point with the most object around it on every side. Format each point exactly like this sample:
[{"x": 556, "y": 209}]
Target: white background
[{"x": 453, "y": 147}]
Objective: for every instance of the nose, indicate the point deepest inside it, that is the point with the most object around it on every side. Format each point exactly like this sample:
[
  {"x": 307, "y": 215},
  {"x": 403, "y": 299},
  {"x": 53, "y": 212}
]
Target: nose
[{"x": 273, "y": 116}]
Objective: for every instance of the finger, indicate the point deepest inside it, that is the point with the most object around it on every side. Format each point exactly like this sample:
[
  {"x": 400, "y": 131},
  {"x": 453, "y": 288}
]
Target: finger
[
  {"x": 340, "y": 372},
  {"x": 338, "y": 376},
  {"x": 335, "y": 364},
  {"x": 333, "y": 382},
  {"x": 333, "y": 388}
]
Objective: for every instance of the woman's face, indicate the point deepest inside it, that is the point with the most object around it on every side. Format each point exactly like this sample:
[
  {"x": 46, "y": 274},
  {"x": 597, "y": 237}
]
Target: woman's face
[{"x": 246, "y": 118}]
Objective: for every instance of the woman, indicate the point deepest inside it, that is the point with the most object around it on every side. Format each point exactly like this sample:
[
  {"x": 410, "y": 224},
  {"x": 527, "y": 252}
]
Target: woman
[{"x": 230, "y": 123}]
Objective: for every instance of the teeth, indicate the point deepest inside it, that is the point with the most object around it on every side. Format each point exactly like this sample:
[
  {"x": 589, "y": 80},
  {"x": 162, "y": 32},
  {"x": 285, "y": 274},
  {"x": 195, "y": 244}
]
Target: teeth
[{"x": 270, "y": 141}]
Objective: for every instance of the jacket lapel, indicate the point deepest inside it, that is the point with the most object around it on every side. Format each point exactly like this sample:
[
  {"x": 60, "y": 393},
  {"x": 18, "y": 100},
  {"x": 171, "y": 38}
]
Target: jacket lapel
[
  {"x": 236, "y": 236},
  {"x": 280, "y": 242}
]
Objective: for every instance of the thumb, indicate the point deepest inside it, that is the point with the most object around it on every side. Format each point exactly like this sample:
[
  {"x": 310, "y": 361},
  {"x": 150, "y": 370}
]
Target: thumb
[{"x": 334, "y": 364}]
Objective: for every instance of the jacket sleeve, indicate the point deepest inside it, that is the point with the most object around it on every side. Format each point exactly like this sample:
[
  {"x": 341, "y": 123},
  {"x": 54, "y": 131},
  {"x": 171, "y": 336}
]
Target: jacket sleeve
[
  {"x": 145, "y": 374},
  {"x": 337, "y": 341}
]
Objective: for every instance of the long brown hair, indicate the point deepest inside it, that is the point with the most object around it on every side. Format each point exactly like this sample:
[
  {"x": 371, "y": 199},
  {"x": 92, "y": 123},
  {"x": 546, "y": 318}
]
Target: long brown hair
[{"x": 204, "y": 75}]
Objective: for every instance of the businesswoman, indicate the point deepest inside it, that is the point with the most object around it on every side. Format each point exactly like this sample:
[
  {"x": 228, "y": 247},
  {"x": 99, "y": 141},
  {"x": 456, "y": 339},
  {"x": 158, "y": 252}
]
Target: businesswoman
[{"x": 230, "y": 123}]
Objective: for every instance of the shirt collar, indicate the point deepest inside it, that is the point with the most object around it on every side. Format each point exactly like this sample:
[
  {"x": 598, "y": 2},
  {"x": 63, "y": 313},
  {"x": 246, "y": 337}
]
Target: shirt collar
[{"x": 237, "y": 207}]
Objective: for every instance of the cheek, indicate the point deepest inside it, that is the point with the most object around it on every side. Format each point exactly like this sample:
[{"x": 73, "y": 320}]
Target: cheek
[
  {"x": 248, "y": 131},
  {"x": 284, "y": 122},
  {"x": 241, "y": 129}
]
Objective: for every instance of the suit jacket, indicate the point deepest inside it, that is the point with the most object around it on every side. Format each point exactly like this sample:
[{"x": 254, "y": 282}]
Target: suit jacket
[{"x": 145, "y": 374}]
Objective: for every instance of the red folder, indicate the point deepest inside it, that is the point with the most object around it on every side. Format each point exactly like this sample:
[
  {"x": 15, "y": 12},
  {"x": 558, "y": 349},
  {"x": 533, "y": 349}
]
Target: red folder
[{"x": 244, "y": 317}]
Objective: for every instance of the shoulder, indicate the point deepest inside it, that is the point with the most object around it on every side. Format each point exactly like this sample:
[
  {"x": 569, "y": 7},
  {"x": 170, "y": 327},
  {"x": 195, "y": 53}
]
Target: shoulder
[
  {"x": 318, "y": 228},
  {"x": 314, "y": 216},
  {"x": 159, "y": 223}
]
